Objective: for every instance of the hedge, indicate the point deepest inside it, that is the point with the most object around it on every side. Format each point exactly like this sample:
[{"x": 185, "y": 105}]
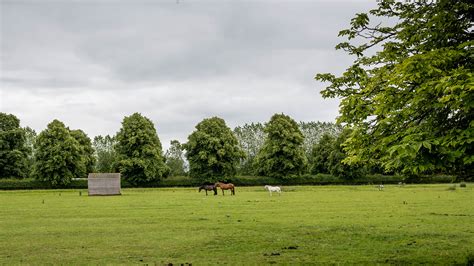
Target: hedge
[{"x": 183, "y": 181}]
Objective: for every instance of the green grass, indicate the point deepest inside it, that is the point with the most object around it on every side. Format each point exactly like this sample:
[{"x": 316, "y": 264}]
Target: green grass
[{"x": 330, "y": 224}]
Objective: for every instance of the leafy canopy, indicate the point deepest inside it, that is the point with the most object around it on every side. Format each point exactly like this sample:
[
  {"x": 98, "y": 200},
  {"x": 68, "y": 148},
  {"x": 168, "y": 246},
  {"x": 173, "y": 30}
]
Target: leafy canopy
[
  {"x": 13, "y": 148},
  {"x": 410, "y": 91},
  {"x": 319, "y": 160},
  {"x": 213, "y": 151},
  {"x": 139, "y": 153},
  {"x": 87, "y": 151},
  {"x": 282, "y": 154},
  {"x": 58, "y": 156}
]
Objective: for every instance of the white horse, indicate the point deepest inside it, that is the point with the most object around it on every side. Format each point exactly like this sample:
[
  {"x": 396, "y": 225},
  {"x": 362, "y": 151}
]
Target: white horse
[{"x": 273, "y": 189}]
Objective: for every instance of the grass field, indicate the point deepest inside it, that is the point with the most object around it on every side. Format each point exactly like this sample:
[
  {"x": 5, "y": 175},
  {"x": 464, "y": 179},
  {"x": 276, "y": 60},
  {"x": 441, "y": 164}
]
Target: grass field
[{"x": 306, "y": 225}]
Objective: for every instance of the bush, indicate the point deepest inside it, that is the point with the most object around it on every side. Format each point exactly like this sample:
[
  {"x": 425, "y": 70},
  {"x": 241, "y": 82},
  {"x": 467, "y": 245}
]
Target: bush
[{"x": 30, "y": 183}]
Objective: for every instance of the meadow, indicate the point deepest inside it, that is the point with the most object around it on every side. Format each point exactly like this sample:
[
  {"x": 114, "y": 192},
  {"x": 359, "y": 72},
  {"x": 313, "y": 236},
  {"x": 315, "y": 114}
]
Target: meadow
[{"x": 305, "y": 225}]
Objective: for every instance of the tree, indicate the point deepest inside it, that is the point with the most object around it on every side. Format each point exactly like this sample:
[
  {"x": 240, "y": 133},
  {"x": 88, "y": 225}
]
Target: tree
[
  {"x": 320, "y": 153},
  {"x": 13, "y": 149},
  {"x": 175, "y": 159},
  {"x": 87, "y": 151},
  {"x": 104, "y": 153},
  {"x": 410, "y": 101},
  {"x": 213, "y": 151},
  {"x": 251, "y": 138},
  {"x": 336, "y": 157},
  {"x": 139, "y": 153},
  {"x": 314, "y": 131},
  {"x": 282, "y": 154},
  {"x": 58, "y": 156}
]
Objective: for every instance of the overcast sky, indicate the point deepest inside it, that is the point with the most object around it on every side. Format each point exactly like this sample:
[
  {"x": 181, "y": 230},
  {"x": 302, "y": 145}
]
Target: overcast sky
[{"x": 90, "y": 63}]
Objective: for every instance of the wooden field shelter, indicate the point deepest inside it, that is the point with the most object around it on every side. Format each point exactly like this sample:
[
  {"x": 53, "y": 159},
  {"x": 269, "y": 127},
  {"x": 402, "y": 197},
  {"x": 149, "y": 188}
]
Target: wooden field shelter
[{"x": 103, "y": 184}]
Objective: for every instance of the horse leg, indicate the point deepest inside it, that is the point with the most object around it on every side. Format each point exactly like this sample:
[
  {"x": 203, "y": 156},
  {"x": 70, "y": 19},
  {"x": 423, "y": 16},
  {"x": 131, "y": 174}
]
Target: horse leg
[
  {"x": 215, "y": 191},
  {"x": 222, "y": 192},
  {"x": 206, "y": 191}
]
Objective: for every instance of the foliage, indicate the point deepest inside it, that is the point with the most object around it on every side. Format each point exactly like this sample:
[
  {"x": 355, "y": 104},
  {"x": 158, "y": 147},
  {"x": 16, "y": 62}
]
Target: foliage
[
  {"x": 175, "y": 159},
  {"x": 58, "y": 156},
  {"x": 87, "y": 151},
  {"x": 13, "y": 149},
  {"x": 410, "y": 101},
  {"x": 319, "y": 161},
  {"x": 104, "y": 153},
  {"x": 213, "y": 151},
  {"x": 251, "y": 138},
  {"x": 336, "y": 157},
  {"x": 282, "y": 154},
  {"x": 139, "y": 153},
  {"x": 314, "y": 131}
]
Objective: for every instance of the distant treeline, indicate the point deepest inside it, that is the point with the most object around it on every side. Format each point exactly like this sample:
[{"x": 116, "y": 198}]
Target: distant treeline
[{"x": 281, "y": 149}]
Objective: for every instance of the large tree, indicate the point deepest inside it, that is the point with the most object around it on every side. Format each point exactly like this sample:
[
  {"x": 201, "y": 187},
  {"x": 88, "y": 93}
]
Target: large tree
[
  {"x": 13, "y": 148},
  {"x": 87, "y": 151},
  {"x": 409, "y": 94},
  {"x": 58, "y": 156},
  {"x": 282, "y": 154},
  {"x": 175, "y": 159},
  {"x": 139, "y": 152},
  {"x": 105, "y": 153},
  {"x": 213, "y": 151}
]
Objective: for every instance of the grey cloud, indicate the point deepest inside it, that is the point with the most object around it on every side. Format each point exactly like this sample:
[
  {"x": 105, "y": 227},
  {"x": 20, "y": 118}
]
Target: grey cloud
[
  {"x": 164, "y": 41},
  {"x": 91, "y": 63}
]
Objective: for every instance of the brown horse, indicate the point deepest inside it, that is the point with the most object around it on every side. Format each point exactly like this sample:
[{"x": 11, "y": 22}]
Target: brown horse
[{"x": 225, "y": 186}]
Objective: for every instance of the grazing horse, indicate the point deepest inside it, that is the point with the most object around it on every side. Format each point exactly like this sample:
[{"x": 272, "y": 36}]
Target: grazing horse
[
  {"x": 273, "y": 189},
  {"x": 224, "y": 186},
  {"x": 208, "y": 187}
]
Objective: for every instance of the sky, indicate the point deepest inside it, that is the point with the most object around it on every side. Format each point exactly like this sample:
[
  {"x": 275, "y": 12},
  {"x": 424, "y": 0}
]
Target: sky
[{"x": 91, "y": 63}]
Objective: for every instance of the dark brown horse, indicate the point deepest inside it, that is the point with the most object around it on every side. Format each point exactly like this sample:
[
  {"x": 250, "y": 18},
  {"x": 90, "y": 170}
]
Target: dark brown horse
[
  {"x": 208, "y": 188},
  {"x": 225, "y": 186}
]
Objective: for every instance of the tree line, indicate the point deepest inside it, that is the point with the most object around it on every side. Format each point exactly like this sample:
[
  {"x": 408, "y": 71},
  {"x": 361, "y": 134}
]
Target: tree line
[{"x": 280, "y": 148}]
